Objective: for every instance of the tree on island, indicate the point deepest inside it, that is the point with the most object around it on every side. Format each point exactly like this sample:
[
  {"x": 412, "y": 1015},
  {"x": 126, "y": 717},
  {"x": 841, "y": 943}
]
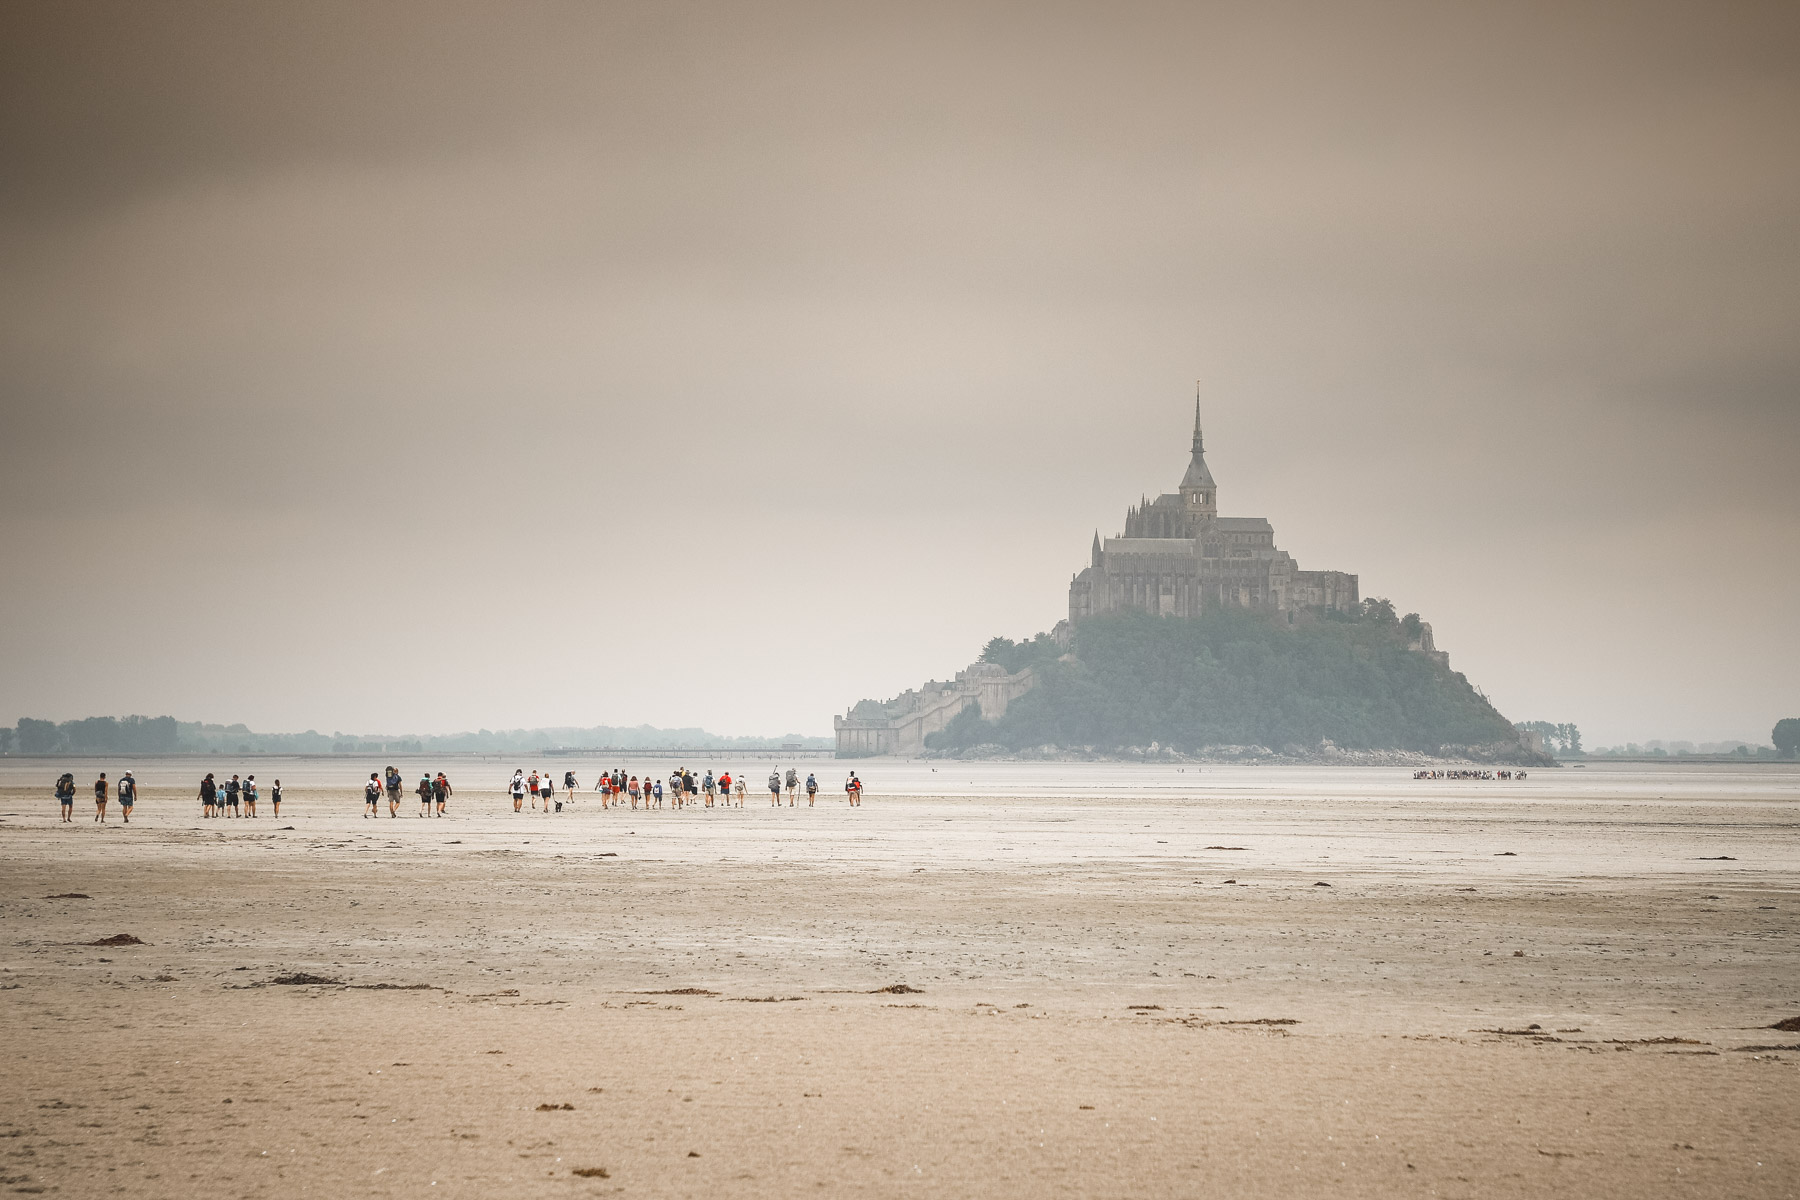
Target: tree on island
[
  {"x": 1786, "y": 736},
  {"x": 1234, "y": 677}
]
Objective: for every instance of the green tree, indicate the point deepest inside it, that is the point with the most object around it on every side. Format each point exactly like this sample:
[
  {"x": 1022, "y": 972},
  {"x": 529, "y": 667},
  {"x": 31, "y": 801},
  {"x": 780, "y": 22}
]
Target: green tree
[
  {"x": 1233, "y": 677},
  {"x": 965, "y": 729},
  {"x": 1786, "y": 736},
  {"x": 38, "y": 737}
]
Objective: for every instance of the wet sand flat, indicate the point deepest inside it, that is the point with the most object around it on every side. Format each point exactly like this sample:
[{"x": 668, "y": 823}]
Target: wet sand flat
[{"x": 1498, "y": 994}]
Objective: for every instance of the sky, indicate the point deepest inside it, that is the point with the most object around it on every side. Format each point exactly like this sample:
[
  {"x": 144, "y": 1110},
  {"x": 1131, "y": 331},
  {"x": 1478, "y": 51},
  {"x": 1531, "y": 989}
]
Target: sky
[{"x": 420, "y": 367}]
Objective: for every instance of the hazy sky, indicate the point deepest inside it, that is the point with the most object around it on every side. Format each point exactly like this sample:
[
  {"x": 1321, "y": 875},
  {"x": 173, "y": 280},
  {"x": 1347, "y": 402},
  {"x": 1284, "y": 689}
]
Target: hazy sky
[{"x": 420, "y": 367}]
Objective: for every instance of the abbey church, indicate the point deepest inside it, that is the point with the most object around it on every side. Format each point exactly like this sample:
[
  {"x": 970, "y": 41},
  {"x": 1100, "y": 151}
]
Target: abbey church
[{"x": 1179, "y": 557}]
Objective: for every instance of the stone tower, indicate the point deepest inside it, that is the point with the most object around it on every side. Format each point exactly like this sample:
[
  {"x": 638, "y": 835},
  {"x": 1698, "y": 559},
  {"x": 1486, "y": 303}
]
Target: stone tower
[{"x": 1199, "y": 494}]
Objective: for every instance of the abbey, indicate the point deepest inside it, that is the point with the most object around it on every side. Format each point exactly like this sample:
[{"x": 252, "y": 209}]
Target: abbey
[{"x": 1179, "y": 557}]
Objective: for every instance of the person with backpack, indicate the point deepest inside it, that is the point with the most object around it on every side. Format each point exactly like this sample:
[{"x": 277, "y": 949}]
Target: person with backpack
[
  {"x": 775, "y": 789},
  {"x": 394, "y": 784},
  {"x": 127, "y": 795},
  {"x": 275, "y": 796},
  {"x": 372, "y": 797},
  {"x": 209, "y": 796},
  {"x": 231, "y": 794},
  {"x": 424, "y": 790},
  {"x": 812, "y": 788},
  {"x": 517, "y": 788},
  {"x": 569, "y": 785},
  {"x": 250, "y": 796},
  {"x": 793, "y": 785},
  {"x": 738, "y": 786},
  {"x": 65, "y": 795},
  {"x": 853, "y": 789},
  {"x": 100, "y": 798},
  {"x": 440, "y": 791}
]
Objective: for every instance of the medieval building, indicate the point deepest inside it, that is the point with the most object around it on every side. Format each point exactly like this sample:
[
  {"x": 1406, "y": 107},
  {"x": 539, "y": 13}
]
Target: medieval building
[{"x": 1178, "y": 557}]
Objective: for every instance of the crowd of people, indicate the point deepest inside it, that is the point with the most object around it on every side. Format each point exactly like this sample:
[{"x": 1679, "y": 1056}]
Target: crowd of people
[
  {"x": 683, "y": 789},
  {"x": 237, "y": 797},
  {"x": 1468, "y": 773}
]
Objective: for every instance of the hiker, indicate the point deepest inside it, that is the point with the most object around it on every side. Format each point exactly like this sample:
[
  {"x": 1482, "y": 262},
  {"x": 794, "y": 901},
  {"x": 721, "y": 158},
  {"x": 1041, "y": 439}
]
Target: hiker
[
  {"x": 394, "y": 784},
  {"x": 517, "y": 788},
  {"x": 209, "y": 795},
  {"x": 812, "y": 788},
  {"x": 793, "y": 785},
  {"x": 371, "y": 796},
  {"x": 231, "y": 794},
  {"x": 100, "y": 798},
  {"x": 440, "y": 791},
  {"x": 127, "y": 795},
  {"x": 424, "y": 790},
  {"x": 275, "y": 796},
  {"x": 853, "y": 788},
  {"x": 775, "y": 789},
  {"x": 250, "y": 796}
]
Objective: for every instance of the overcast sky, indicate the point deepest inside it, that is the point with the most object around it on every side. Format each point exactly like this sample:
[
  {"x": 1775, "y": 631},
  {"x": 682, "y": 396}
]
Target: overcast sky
[{"x": 424, "y": 367}]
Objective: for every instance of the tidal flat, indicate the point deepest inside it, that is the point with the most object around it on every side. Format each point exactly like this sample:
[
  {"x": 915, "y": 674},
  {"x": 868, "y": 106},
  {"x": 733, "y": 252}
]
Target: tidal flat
[{"x": 993, "y": 979}]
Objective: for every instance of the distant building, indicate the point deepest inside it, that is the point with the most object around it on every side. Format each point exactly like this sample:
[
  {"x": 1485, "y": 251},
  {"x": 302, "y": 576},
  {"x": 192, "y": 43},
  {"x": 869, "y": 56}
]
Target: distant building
[
  {"x": 1176, "y": 558},
  {"x": 899, "y": 726},
  {"x": 1179, "y": 558}
]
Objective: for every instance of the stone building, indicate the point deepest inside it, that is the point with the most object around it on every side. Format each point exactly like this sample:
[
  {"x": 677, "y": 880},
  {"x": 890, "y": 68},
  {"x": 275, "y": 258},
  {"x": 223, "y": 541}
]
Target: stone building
[
  {"x": 1178, "y": 557},
  {"x": 899, "y": 726}
]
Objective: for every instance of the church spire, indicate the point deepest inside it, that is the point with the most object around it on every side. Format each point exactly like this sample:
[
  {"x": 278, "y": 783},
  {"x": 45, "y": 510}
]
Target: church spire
[{"x": 1197, "y": 485}]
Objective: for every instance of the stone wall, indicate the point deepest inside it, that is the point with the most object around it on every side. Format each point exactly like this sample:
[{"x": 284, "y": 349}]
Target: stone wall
[{"x": 901, "y": 725}]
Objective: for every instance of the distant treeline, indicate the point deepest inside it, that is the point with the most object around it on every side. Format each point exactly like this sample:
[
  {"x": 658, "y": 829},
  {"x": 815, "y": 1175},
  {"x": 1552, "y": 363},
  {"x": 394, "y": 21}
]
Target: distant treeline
[
  {"x": 1235, "y": 678},
  {"x": 166, "y": 735},
  {"x": 1561, "y": 740}
]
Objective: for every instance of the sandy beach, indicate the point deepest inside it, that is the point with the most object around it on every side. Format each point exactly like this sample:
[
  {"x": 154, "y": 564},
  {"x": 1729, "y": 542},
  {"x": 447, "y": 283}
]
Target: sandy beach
[{"x": 1089, "y": 980}]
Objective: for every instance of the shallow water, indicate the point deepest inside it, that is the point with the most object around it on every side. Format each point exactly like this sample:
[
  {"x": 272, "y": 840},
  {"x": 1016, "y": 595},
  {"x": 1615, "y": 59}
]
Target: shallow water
[
  {"x": 1625, "y": 820},
  {"x": 1763, "y": 781}
]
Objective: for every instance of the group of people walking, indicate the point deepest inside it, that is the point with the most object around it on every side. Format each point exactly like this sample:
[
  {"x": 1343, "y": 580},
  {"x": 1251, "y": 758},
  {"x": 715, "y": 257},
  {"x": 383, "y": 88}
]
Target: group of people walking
[
  {"x": 126, "y": 791},
  {"x": 223, "y": 799},
  {"x": 431, "y": 789},
  {"x": 237, "y": 797},
  {"x": 1468, "y": 773},
  {"x": 684, "y": 789}
]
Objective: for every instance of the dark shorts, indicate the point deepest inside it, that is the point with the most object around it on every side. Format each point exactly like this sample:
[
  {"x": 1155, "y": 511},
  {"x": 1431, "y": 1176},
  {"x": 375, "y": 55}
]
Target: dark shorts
[
  {"x": 68, "y": 802},
  {"x": 231, "y": 800},
  {"x": 126, "y": 801}
]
